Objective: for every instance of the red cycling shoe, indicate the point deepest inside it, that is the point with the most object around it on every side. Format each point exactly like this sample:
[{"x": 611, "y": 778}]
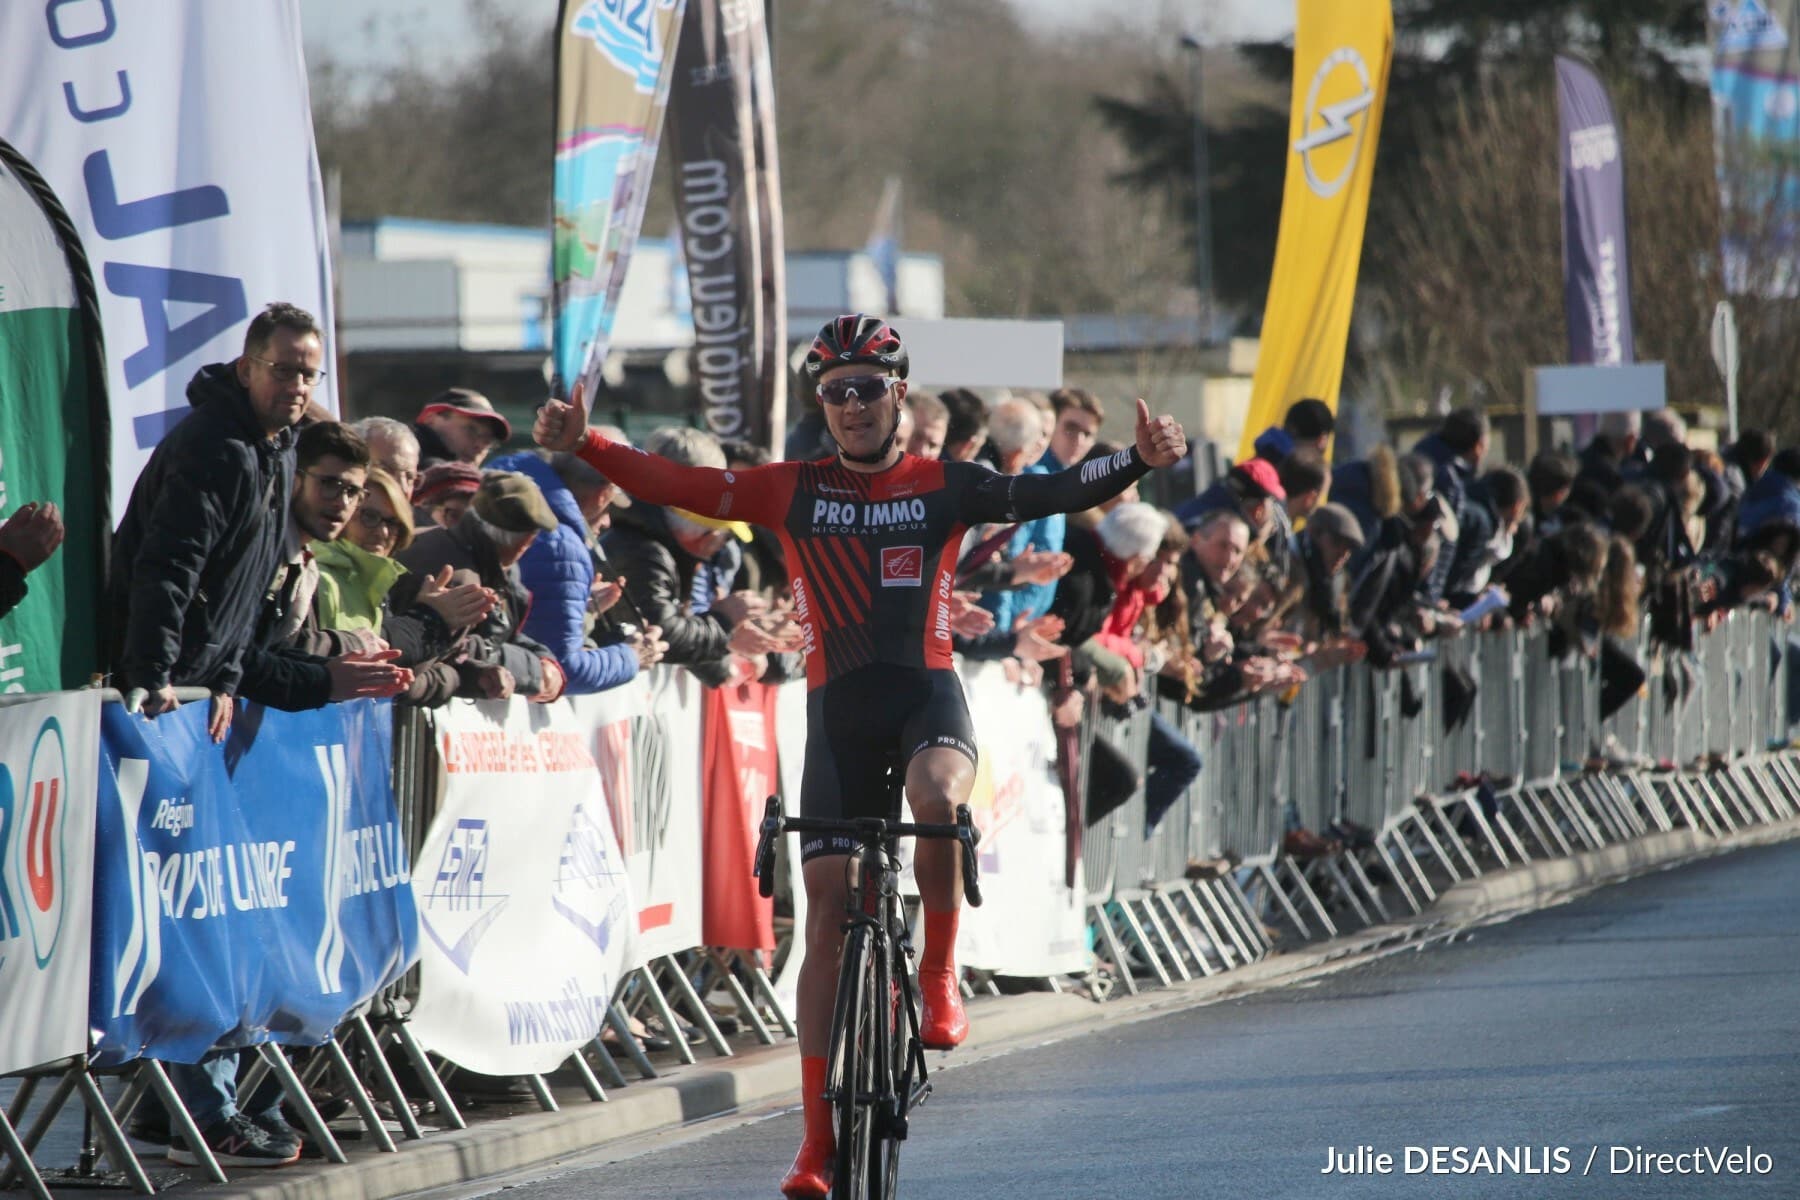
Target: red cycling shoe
[
  {"x": 810, "y": 1176},
  {"x": 942, "y": 1024}
]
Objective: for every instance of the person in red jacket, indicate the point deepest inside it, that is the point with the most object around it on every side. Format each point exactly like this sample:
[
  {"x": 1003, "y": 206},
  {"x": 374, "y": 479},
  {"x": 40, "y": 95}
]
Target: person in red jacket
[{"x": 871, "y": 537}]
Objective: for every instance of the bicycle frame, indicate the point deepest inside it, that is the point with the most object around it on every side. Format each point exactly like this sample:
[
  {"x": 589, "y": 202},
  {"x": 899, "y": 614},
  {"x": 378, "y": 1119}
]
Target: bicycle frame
[{"x": 876, "y": 1070}]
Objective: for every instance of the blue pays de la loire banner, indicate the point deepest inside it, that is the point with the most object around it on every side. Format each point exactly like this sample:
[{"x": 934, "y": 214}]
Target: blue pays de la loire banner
[{"x": 250, "y": 892}]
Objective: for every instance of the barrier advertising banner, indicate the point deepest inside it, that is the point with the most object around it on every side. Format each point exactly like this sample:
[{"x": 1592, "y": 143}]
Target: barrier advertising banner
[
  {"x": 738, "y": 740},
  {"x": 613, "y": 64},
  {"x": 1030, "y": 922},
  {"x": 1756, "y": 135},
  {"x": 49, "y": 751},
  {"x": 522, "y": 893},
  {"x": 1596, "y": 265},
  {"x": 646, "y": 741},
  {"x": 52, "y": 432},
  {"x": 1342, "y": 51},
  {"x": 728, "y": 200},
  {"x": 790, "y": 765},
  {"x": 179, "y": 137},
  {"x": 249, "y": 892}
]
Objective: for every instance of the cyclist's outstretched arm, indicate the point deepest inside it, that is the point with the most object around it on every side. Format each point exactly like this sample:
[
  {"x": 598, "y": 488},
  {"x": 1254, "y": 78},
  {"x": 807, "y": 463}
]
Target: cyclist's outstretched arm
[
  {"x": 990, "y": 496},
  {"x": 759, "y": 495}
]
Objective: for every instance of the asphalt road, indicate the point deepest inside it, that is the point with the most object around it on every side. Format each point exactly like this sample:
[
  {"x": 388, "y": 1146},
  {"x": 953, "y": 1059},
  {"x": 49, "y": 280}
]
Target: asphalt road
[{"x": 1658, "y": 1015}]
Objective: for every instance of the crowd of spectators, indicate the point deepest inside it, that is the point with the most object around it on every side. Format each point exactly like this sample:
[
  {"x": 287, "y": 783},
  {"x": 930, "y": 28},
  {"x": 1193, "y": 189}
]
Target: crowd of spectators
[{"x": 272, "y": 554}]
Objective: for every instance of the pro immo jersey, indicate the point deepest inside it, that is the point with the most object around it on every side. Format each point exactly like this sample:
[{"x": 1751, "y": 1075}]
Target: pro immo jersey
[{"x": 871, "y": 557}]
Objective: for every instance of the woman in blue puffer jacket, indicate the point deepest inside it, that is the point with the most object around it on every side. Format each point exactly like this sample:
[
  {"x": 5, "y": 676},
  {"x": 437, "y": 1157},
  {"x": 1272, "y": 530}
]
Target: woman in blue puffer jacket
[{"x": 558, "y": 570}]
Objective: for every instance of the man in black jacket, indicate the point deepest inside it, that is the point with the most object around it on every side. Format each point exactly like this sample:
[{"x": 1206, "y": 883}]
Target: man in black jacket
[
  {"x": 659, "y": 551},
  {"x": 201, "y": 537}
]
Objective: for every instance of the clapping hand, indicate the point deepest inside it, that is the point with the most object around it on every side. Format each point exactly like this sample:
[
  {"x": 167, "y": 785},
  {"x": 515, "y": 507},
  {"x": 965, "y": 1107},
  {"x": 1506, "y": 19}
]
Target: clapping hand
[
  {"x": 460, "y": 607},
  {"x": 967, "y": 617}
]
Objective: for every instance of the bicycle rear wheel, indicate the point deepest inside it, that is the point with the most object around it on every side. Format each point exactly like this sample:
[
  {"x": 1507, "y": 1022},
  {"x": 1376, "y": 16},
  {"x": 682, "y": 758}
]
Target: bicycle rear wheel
[{"x": 855, "y": 1082}]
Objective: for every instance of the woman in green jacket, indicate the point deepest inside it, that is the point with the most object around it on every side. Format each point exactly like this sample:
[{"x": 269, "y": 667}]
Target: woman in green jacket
[{"x": 357, "y": 573}]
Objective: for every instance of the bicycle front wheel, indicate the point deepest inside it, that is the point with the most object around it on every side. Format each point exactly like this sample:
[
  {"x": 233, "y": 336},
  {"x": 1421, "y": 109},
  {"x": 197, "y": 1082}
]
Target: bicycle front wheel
[{"x": 855, "y": 1082}]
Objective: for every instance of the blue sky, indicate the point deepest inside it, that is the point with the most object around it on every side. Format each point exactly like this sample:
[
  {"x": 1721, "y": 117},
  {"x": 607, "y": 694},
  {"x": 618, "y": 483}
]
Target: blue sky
[{"x": 372, "y": 32}]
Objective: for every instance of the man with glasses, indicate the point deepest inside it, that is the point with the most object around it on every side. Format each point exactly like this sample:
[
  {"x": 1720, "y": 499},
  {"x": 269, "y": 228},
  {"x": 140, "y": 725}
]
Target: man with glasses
[
  {"x": 871, "y": 538},
  {"x": 294, "y": 663},
  {"x": 192, "y": 563},
  {"x": 1079, "y": 415},
  {"x": 202, "y": 534}
]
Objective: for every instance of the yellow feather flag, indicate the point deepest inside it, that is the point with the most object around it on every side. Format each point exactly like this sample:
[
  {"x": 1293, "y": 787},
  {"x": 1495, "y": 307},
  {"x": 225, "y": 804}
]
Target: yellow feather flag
[{"x": 1342, "y": 50}]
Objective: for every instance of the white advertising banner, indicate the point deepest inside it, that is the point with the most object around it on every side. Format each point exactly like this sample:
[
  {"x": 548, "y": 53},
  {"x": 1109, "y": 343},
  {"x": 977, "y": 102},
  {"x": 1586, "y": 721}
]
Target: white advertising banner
[
  {"x": 1029, "y": 922},
  {"x": 523, "y": 897},
  {"x": 179, "y": 137},
  {"x": 645, "y": 737},
  {"x": 49, "y": 777},
  {"x": 790, "y": 762}
]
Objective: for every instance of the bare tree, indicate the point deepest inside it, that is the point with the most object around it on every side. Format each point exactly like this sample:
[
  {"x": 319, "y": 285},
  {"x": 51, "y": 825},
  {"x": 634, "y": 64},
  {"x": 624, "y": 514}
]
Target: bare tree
[{"x": 1469, "y": 294}]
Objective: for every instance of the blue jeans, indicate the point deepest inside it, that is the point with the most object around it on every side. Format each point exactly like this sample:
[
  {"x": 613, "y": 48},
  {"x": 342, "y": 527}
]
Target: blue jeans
[
  {"x": 209, "y": 1091},
  {"x": 1174, "y": 764}
]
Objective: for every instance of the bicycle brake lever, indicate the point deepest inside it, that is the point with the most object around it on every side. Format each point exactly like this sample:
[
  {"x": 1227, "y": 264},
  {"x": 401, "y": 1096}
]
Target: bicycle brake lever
[
  {"x": 969, "y": 837},
  {"x": 764, "y": 868}
]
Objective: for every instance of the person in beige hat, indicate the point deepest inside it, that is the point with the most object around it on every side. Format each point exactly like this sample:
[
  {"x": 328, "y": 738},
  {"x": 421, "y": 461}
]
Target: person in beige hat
[
  {"x": 505, "y": 516},
  {"x": 459, "y": 425}
]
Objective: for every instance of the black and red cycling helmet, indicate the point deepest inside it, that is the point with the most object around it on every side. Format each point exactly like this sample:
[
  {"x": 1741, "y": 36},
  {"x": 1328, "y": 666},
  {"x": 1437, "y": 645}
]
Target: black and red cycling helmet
[{"x": 854, "y": 339}]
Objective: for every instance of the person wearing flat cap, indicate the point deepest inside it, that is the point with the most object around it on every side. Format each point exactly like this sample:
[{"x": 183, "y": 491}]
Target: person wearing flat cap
[
  {"x": 506, "y": 515},
  {"x": 459, "y": 425}
]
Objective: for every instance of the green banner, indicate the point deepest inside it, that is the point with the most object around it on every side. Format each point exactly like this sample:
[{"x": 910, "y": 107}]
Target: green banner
[{"x": 52, "y": 447}]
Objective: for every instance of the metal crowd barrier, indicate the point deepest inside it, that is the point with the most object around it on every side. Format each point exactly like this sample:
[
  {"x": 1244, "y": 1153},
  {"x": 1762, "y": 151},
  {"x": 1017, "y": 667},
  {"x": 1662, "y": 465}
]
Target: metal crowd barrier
[
  {"x": 1425, "y": 798},
  {"x": 1531, "y": 770}
]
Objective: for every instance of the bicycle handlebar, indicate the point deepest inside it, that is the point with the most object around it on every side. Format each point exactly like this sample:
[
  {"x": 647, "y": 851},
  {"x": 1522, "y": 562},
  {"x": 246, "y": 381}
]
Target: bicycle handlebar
[{"x": 868, "y": 830}]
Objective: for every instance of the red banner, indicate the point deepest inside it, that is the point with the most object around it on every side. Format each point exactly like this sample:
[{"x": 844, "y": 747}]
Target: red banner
[{"x": 738, "y": 756}]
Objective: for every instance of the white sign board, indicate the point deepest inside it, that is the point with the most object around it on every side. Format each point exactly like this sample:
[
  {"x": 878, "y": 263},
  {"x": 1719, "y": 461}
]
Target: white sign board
[
  {"x": 1628, "y": 387},
  {"x": 984, "y": 354},
  {"x": 1030, "y": 923}
]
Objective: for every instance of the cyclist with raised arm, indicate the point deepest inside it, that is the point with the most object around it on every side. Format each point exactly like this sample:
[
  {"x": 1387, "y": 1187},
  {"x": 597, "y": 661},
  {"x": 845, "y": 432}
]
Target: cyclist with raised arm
[{"x": 871, "y": 537}]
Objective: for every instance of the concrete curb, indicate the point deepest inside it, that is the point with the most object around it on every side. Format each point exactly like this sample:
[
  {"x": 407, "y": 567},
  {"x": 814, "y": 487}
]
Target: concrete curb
[{"x": 719, "y": 1086}]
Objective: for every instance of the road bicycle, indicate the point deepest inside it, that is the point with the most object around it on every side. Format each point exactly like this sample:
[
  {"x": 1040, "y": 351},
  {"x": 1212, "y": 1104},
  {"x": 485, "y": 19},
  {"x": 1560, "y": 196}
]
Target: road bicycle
[{"x": 875, "y": 1074}]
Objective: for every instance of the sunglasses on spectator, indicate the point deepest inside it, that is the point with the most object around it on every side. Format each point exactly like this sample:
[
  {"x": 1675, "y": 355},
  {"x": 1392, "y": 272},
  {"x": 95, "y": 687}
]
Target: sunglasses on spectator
[
  {"x": 864, "y": 388},
  {"x": 288, "y": 372},
  {"x": 372, "y": 520},
  {"x": 336, "y": 488}
]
